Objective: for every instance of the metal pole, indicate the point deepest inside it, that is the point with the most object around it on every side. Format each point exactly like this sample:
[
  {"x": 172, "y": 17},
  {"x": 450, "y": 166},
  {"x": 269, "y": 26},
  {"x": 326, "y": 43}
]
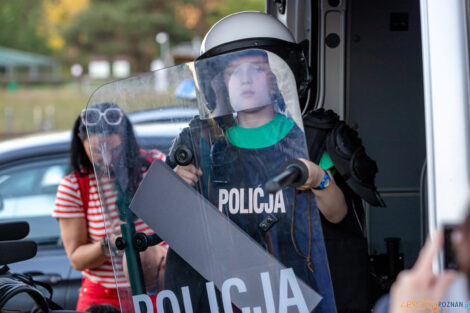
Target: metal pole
[{"x": 134, "y": 265}]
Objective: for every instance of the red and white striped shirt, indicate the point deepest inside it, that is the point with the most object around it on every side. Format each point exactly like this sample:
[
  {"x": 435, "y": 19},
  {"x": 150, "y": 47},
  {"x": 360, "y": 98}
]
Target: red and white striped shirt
[{"x": 69, "y": 204}]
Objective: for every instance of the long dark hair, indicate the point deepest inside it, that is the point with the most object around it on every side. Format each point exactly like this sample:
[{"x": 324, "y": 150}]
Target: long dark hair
[
  {"x": 79, "y": 160},
  {"x": 128, "y": 167}
]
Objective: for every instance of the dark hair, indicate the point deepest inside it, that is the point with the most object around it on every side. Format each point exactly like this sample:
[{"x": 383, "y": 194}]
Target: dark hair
[
  {"x": 102, "y": 308},
  {"x": 79, "y": 160},
  {"x": 129, "y": 162}
]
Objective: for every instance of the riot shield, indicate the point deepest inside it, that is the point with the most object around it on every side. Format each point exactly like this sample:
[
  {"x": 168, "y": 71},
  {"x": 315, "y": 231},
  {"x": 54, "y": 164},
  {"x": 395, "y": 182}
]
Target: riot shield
[{"x": 231, "y": 246}]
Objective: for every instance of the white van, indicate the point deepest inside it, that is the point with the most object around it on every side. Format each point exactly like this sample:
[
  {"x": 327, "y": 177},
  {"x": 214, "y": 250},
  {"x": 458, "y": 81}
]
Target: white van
[{"x": 397, "y": 72}]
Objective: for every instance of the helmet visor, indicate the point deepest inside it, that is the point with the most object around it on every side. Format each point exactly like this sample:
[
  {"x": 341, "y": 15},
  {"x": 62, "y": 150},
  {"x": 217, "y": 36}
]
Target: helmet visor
[{"x": 245, "y": 81}]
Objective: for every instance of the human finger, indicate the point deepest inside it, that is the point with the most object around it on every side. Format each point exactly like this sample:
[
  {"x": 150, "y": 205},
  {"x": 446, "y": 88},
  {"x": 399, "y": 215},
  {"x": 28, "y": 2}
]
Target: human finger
[
  {"x": 113, "y": 228},
  {"x": 442, "y": 283},
  {"x": 116, "y": 223},
  {"x": 315, "y": 174},
  {"x": 182, "y": 171},
  {"x": 429, "y": 251},
  {"x": 191, "y": 168},
  {"x": 188, "y": 177},
  {"x": 307, "y": 183},
  {"x": 194, "y": 170},
  {"x": 189, "y": 181}
]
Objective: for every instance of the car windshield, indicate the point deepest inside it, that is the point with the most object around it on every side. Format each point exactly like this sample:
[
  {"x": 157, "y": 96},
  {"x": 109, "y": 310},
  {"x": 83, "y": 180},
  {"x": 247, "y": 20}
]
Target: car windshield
[{"x": 163, "y": 115}]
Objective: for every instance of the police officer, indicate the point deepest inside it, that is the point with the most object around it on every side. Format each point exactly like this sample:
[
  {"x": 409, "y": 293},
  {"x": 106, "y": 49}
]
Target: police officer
[
  {"x": 247, "y": 30},
  {"x": 253, "y": 32}
]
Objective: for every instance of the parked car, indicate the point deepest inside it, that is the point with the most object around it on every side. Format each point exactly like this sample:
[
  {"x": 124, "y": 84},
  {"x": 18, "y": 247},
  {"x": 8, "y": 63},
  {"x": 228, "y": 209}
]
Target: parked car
[
  {"x": 31, "y": 169},
  {"x": 164, "y": 115}
]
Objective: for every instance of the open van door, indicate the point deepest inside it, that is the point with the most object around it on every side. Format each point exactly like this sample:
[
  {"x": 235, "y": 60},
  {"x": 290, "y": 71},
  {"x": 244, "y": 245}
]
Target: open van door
[
  {"x": 446, "y": 86},
  {"x": 398, "y": 73}
]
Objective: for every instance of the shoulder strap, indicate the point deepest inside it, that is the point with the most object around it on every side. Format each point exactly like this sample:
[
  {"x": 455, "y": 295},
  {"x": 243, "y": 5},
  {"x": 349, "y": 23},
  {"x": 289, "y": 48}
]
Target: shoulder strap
[
  {"x": 318, "y": 123},
  {"x": 84, "y": 185}
]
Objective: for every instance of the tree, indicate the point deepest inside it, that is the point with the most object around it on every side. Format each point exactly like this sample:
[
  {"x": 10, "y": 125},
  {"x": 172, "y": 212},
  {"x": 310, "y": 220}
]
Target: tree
[
  {"x": 123, "y": 27},
  {"x": 200, "y": 15},
  {"x": 18, "y": 26},
  {"x": 58, "y": 14},
  {"x": 226, "y": 7}
]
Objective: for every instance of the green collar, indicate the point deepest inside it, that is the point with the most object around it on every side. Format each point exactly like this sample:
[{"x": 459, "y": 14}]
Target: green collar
[{"x": 260, "y": 137}]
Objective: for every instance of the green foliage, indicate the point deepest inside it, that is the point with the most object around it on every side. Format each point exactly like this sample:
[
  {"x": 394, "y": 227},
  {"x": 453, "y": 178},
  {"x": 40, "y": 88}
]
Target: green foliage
[
  {"x": 113, "y": 28},
  {"x": 227, "y": 7},
  {"x": 19, "y": 20},
  {"x": 122, "y": 27}
]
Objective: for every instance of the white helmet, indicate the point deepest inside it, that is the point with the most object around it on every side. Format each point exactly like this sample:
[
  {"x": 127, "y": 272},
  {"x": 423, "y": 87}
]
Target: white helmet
[
  {"x": 256, "y": 30},
  {"x": 242, "y": 26}
]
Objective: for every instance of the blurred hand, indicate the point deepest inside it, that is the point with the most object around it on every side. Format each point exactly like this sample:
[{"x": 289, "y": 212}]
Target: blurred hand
[
  {"x": 189, "y": 173},
  {"x": 114, "y": 231},
  {"x": 153, "y": 262},
  {"x": 315, "y": 175},
  {"x": 420, "y": 283}
]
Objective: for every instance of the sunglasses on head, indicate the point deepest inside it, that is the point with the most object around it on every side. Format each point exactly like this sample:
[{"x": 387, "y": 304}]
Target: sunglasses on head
[{"x": 91, "y": 116}]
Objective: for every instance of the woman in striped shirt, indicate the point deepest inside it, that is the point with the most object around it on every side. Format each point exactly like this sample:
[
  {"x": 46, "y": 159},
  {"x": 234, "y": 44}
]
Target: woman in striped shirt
[{"x": 82, "y": 222}]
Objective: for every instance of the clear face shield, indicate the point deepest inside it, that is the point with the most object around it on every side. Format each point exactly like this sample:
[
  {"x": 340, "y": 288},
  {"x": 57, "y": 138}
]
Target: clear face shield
[
  {"x": 246, "y": 82},
  {"x": 215, "y": 241}
]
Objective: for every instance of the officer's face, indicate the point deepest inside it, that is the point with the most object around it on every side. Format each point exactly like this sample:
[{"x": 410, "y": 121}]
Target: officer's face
[{"x": 248, "y": 82}]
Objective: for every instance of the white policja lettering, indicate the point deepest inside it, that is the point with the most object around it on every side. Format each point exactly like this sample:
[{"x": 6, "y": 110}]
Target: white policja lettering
[
  {"x": 234, "y": 200},
  {"x": 288, "y": 285}
]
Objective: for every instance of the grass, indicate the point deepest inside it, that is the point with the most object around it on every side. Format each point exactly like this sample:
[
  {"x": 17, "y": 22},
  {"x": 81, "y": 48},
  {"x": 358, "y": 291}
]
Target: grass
[{"x": 36, "y": 109}]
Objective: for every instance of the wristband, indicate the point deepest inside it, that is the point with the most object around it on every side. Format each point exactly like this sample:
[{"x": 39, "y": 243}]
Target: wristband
[{"x": 325, "y": 182}]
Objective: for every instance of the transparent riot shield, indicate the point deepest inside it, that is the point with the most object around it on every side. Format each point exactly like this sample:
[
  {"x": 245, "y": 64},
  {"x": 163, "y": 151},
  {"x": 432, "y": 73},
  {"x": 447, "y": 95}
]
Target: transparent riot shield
[{"x": 212, "y": 239}]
